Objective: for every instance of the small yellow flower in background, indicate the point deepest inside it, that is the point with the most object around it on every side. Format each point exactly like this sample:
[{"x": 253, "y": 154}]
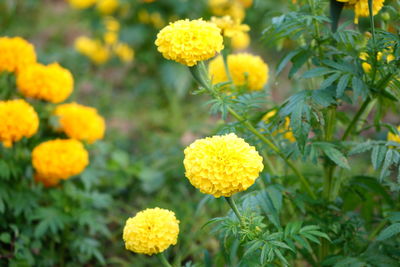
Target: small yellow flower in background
[
  {"x": 188, "y": 42},
  {"x": 394, "y": 137},
  {"x": 361, "y": 7},
  {"x": 18, "y": 119},
  {"x": 58, "y": 159},
  {"x": 244, "y": 69},
  {"x": 93, "y": 49},
  {"x": 144, "y": 16},
  {"x": 230, "y": 27},
  {"x": 81, "y": 4},
  {"x": 240, "y": 41},
  {"x": 124, "y": 52},
  {"x": 366, "y": 67},
  {"x": 151, "y": 231},
  {"x": 107, "y": 7},
  {"x": 52, "y": 83},
  {"x": 15, "y": 54},
  {"x": 110, "y": 37},
  {"x": 157, "y": 20},
  {"x": 222, "y": 165},
  {"x": 388, "y": 53},
  {"x": 234, "y": 8},
  {"x": 111, "y": 24},
  {"x": 286, "y": 130},
  {"x": 80, "y": 122},
  {"x": 246, "y": 3}
]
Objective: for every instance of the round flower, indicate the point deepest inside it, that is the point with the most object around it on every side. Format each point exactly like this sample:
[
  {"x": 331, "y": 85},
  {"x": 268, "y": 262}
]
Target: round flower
[
  {"x": 222, "y": 165},
  {"x": 58, "y": 159},
  {"x": 52, "y": 83},
  {"x": 394, "y": 137},
  {"x": 151, "y": 231},
  {"x": 15, "y": 54},
  {"x": 361, "y": 7},
  {"x": 188, "y": 42},
  {"x": 240, "y": 41},
  {"x": 245, "y": 69},
  {"x": 80, "y": 122},
  {"x": 124, "y": 52},
  {"x": 93, "y": 49},
  {"x": 107, "y": 7},
  {"x": 229, "y": 27},
  {"x": 18, "y": 119},
  {"x": 82, "y": 4},
  {"x": 235, "y": 9}
]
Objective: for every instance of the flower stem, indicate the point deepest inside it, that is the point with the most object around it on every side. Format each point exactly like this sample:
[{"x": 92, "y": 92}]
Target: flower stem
[
  {"x": 356, "y": 118},
  {"x": 163, "y": 259},
  {"x": 235, "y": 209}
]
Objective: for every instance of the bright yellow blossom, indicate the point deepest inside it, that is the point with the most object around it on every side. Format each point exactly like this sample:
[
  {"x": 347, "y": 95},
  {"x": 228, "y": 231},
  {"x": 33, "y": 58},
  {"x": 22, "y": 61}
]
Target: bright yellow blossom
[
  {"x": 15, "y": 54},
  {"x": 234, "y": 8},
  {"x": 107, "y": 7},
  {"x": 110, "y": 38},
  {"x": 222, "y": 165},
  {"x": 111, "y": 24},
  {"x": 124, "y": 52},
  {"x": 394, "y": 137},
  {"x": 81, "y": 4},
  {"x": 80, "y": 122},
  {"x": 361, "y": 7},
  {"x": 229, "y": 27},
  {"x": 18, "y": 119},
  {"x": 93, "y": 49},
  {"x": 188, "y": 42},
  {"x": 151, "y": 231},
  {"x": 240, "y": 41}
]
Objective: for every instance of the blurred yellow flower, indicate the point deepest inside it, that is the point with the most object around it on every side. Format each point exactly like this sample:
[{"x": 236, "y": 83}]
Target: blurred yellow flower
[
  {"x": 52, "y": 83},
  {"x": 107, "y": 7},
  {"x": 245, "y": 69},
  {"x": 15, "y": 54},
  {"x": 394, "y": 137},
  {"x": 58, "y": 159},
  {"x": 18, "y": 119},
  {"x": 80, "y": 122},
  {"x": 366, "y": 67},
  {"x": 110, "y": 37},
  {"x": 234, "y": 8},
  {"x": 246, "y": 3},
  {"x": 81, "y": 4},
  {"x": 229, "y": 27},
  {"x": 361, "y": 7},
  {"x": 151, "y": 231},
  {"x": 222, "y": 165},
  {"x": 188, "y": 42},
  {"x": 124, "y": 52},
  {"x": 240, "y": 41},
  {"x": 157, "y": 20},
  {"x": 111, "y": 24},
  {"x": 285, "y": 130},
  {"x": 93, "y": 49}
]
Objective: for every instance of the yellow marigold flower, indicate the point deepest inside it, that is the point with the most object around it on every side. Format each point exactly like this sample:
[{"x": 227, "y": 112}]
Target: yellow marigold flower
[
  {"x": 80, "y": 122},
  {"x": 240, "y": 41},
  {"x": 234, "y": 9},
  {"x": 285, "y": 130},
  {"x": 151, "y": 231},
  {"x": 366, "y": 67},
  {"x": 15, "y": 54},
  {"x": 361, "y": 7},
  {"x": 58, "y": 159},
  {"x": 52, "y": 83},
  {"x": 18, "y": 119},
  {"x": 110, "y": 37},
  {"x": 229, "y": 27},
  {"x": 81, "y": 4},
  {"x": 222, "y": 165},
  {"x": 93, "y": 49},
  {"x": 124, "y": 52},
  {"x": 107, "y": 7},
  {"x": 244, "y": 69},
  {"x": 394, "y": 137},
  {"x": 246, "y": 3},
  {"x": 188, "y": 42},
  {"x": 111, "y": 24}
]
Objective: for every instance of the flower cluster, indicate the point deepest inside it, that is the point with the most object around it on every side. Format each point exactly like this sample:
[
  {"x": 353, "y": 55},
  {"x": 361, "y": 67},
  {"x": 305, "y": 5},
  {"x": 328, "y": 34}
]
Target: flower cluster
[
  {"x": 285, "y": 130},
  {"x": 361, "y": 7},
  {"x": 222, "y": 165},
  {"x": 387, "y": 54},
  {"x": 244, "y": 68},
  {"x": 58, "y": 159},
  {"x": 105, "y": 7},
  {"x": 18, "y": 119},
  {"x": 151, "y": 231},
  {"x": 15, "y": 54},
  {"x": 188, "y": 42},
  {"x": 52, "y": 83},
  {"x": 235, "y": 8},
  {"x": 234, "y": 30},
  {"x": 80, "y": 122}
]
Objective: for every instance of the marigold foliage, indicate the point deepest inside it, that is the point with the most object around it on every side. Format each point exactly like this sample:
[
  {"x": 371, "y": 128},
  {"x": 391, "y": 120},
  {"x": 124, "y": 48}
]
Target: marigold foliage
[
  {"x": 18, "y": 119},
  {"x": 151, "y": 231},
  {"x": 244, "y": 69},
  {"x": 52, "y": 83},
  {"x": 80, "y": 122},
  {"x": 58, "y": 159},
  {"x": 188, "y": 42},
  {"x": 222, "y": 165},
  {"x": 361, "y": 7},
  {"x": 394, "y": 137},
  {"x": 15, "y": 54},
  {"x": 81, "y": 4}
]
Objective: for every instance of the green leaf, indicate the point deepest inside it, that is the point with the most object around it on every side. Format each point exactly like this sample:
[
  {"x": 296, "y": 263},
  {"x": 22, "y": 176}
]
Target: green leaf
[
  {"x": 389, "y": 232},
  {"x": 335, "y": 11},
  {"x": 328, "y": 81},
  {"x": 342, "y": 84},
  {"x": 286, "y": 60},
  {"x": 317, "y": 72},
  {"x": 377, "y": 156},
  {"x": 333, "y": 154}
]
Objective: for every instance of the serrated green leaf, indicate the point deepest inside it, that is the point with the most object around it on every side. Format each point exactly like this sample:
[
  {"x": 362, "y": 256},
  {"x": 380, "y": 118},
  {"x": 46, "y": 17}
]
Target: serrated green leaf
[{"x": 389, "y": 232}]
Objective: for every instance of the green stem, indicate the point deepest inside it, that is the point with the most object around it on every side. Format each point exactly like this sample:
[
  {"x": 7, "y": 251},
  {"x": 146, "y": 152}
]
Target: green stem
[
  {"x": 377, "y": 230},
  {"x": 163, "y": 259},
  {"x": 352, "y": 124},
  {"x": 235, "y": 209}
]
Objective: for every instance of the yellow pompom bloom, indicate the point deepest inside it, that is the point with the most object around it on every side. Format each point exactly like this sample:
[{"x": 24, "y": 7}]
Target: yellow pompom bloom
[
  {"x": 246, "y": 3},
  {"x": 285, "y": 130},
  {"x": 222, "y": 165},
  {"x": 361, "y": 7},
  {"x": 15, "y": 54},
  {"x": 81, "y": 4},
  {"x": 151, "y": 231},
  {"x": 234, "y": 9},
  {"x": 244, "y": 69},
  {"x": 107, "y": 7},
  {"x": 110, "y": 38},
  {"x": 124, "y": 52},
  {"x": 58, "y": 159},
  {"x": 188, "y": 42},
  {"x": 240, "y": 41},
  {"x": 394, "y": 137},
  {"x": 93, "y": 49},
  {"x": 18, "y": 119},
  {"x": 80, "y": 122},
  {"x": 229, "y": 27},
  {"x": 52, "y": 83}
]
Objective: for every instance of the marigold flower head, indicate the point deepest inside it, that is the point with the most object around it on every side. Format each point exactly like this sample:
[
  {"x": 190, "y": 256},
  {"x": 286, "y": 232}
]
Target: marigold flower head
[
  {"x": 394, "y": 137},
  {"x": 244, "y": 69},
  {"x": 285, "y": 130},
  {"x": 188, "y": 42},
  {"x": 240, "y": 41},
  {"x": 58, "y": 159},
  {"x": 107, "y": 7},
  {"x": 15, "y": 54},
  {"x": 235, "y": 8},
  {"x": 18, "y": 119},
  {"x": 93, "y": 49},
  {"x": 222, "y": 165},
  {"x": 52, "y": 83},
  {"x": 81, "y": 4},
  {"x": 80, "y": 122},
  {"x": 151, "y": 231},
  {"x": 229, "y": 27},
  {"x": 124, "y": 52},
  {"x": 246, "y": 3},
  {"x": 111, "y": 24},
  {"x": 361, "y": 7},
  {"x": 110, "y": 38}
]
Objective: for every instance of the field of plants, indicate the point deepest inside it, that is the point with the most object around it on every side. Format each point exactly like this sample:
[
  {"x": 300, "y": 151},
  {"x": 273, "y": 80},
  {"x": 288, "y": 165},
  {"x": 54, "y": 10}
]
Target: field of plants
[{"x": 200, "y": 133}]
